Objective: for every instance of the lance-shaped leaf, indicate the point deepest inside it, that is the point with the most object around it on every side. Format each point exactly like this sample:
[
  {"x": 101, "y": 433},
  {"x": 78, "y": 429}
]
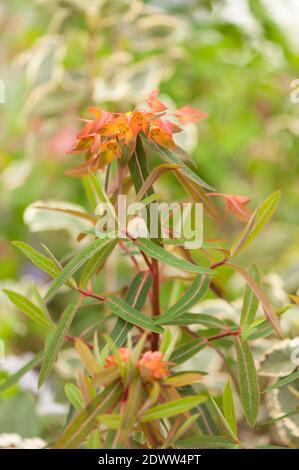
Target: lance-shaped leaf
[
  {"x": 74, "y": 395},
  {"x": 270, "y": 313},
  {"x": 173, "y": 408},
  {"x": 284, "y": 381},
  {"x": 130, "y": 314},
  {"x": 30, "y": 309},
  {"x": 79, "y": 260},
  {"x": 136, "y": 297},
  {"x": 156, "y": 173},
  {"x": 198, "y": 319},
  {"x": 86, "y": 356},
  {"x": 229, "y": 409},
  {"x": 160, "y": 254},
  {"x": 186, "y": 351},
  {"x": 195, "y": 292},
  {"x": 172, "y": 157},
  {"x": 182, "y": 379},
  {"x": 250, "y": 302},
  {"x": 96, "y": 262},
  {"x": 56, "y": 340},
  {"x": 84, "y": 422},
  {"x": 43, "y": 262},
  {"x": 248, "y": 382},
  {"x": 198, "y": 194},
  {"x": 206, "y": 442},
  {"x": 138, "y": 168},
  {"x": 256, "y": 223},
  {"x": 226, "y": 425},
  {"x": 15, "y": 378},
  {"x": 131, "y": 408}
]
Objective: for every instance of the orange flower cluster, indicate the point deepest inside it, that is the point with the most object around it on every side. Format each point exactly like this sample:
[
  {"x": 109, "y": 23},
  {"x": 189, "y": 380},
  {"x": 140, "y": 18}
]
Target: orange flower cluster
[
  {"x": 151, "y": 363},
  {"x": 110, "y": 135}
]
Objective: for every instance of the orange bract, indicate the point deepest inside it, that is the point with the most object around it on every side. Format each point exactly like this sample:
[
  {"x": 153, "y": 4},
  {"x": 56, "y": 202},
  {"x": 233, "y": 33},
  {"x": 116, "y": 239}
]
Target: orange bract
[
  {"x": 108, "y": 135},
  {"x": 152, "y": 365}
]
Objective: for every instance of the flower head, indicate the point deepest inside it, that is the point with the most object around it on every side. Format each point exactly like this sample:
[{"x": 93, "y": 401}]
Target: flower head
[
  {"x": 112, "y": 360},
  {"x": 109, "y": 135},
  {"x": 152, "y": 365}
]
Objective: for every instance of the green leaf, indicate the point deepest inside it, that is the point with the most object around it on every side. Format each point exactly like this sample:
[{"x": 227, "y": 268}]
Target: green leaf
[
  {"x": 171, "y": 157},
  {"x": 74, "y": 395},
  {"x": 223, "y": 420},
  {"x": 229, "y": 409},
  {"x": 269, "y": 311},
  {"x": 249, "y": 387},
  {"x": 43, "y": 262},
  {"x": 256, "y": 223},
  {"x": 158, "y": 253},
  {"x": 284, "y": 381},
  {"x": 195, "y": 292},
  {"x": 206, "y": 442},
  {"x": 30, "y": 309},
  {"x": 84, "y": 422},
  {"x": 136, "y": 297},
  {"x": 186, "y": 351},
  {"x": 52, "y": 349},
  {"x": 138, "y": 168},
  {"x": 111, "y": 420},
  {"x": 250, "y": 302},
  {"x": 79, "y": 260},
  {"x": 86, "y": 356},
  {"x": 130, "y": 314},
  {"x": 197, "y": 318},
  {"x": 172, "y": 408},
  {"x": 15, "y": 378},
  {"x": 96, "y": 262}
]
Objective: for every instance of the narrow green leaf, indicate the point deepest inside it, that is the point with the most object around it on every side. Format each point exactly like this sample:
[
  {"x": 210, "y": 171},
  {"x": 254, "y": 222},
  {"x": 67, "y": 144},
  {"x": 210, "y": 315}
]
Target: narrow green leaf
[
  {"x": 84, "y": 422},
  {"x": 284, "y": 381},
  {"x": 172, "y": 408},
  {"x": 79, "y": 260},
  {"x": 96, "y": 262},
  {"x": 43, "y": 262},
  {"x": 269, "y": 311},
  {"x": 197, "y": 319},
  {"x": 229, "y": 409},
  {"x": 138, "y": 168},
  {"x": 249, "y": 387},
  {"x": 171, "y": 157},
  {"x": 256, "y": 223},
  {"x": 30, "y": 309},
  {"x": 15, "y": 378},
  {"x": 158, "y": 253},
  {"x": 111, "y": 420},
  {"x": 223, "y": 420},
  {"x": 206, "y": 442},
  {"x": 250, "y": 302},
  {"x": 130, "y": 314},
  {"x": 186, "y": 351},
  {"x": 136, "y": 297},
  {"x": 195, "y": 292},
  {"x": 52, "y": 349},
  {"x": 74, "y": 395}
]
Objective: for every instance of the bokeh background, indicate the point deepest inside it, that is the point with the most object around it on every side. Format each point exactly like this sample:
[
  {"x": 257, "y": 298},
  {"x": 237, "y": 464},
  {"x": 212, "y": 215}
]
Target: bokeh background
[{"x": 235, "y": 59}]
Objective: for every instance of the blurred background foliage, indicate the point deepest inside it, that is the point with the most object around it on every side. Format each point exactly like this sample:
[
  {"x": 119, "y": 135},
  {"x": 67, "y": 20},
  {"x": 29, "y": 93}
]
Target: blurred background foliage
[{"x": 235, "y": 60}]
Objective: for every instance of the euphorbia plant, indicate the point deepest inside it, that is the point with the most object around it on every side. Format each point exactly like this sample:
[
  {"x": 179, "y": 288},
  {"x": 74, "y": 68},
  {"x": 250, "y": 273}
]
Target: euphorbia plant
[{"x": 133, "y": 389}]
